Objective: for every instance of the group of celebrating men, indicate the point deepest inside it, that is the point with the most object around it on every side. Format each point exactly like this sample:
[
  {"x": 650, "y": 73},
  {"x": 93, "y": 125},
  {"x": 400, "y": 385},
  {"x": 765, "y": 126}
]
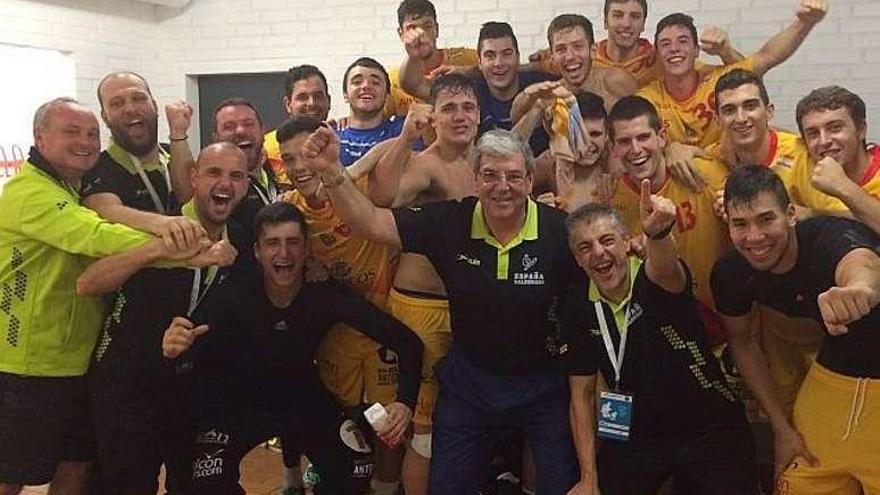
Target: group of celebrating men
[{"x": 594, "y": 251}]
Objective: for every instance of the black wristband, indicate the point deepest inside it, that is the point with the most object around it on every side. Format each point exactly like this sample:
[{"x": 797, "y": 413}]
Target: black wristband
[
  {"x": 173, "y": 140},
  {"x": 662, "y": 234}
]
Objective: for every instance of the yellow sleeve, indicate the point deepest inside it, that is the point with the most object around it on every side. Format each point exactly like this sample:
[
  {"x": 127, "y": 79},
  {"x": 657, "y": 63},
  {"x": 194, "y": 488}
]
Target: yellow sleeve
[{"x": 714, "y": 171}]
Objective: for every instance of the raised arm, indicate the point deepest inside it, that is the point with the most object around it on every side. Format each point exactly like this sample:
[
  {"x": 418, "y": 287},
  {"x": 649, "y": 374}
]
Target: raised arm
[
  {"x": 320, "y": 153},
  {"x": 830, "y": 178},
  {"x": 179, "y": 116},
  {"x": 715, "y": 41},
  {"x": 782, "y": 45},
  {"x": 528, "y": 97},
  {"x": 857, "y": 291},
  {"x": 657, "y": 216}
]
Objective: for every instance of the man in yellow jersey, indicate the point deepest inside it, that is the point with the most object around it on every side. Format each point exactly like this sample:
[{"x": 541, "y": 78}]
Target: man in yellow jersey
[
  {"x": 832, "y": 123},
  {"x": 744, "y": 111},
  {"x": 624, "y": 48},
  {"x": 638, "y": 140},
  {"x": 684, "y": 94},
  {"x": 417, "y": 28},
  {"x": 353, "y": 366},
  {"x": 305, "y": 93}
]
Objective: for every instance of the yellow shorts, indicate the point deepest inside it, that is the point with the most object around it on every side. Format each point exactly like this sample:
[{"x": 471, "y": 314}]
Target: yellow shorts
[
  {"x": 429, "y": 319},
  {"x": 790, "y": 345},
  {"x": 356, "y": 369},
  {"x": 839, "y": 418}
]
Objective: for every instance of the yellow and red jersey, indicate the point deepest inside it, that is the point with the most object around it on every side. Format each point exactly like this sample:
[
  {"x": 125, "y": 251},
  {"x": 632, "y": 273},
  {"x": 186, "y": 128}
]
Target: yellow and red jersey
[
  {"x": 817, "y": 200},
  {"x": 692, "y": 120},
  {"x": 642, "y": 66},
  {"x": 366, "y": 267},
  {"x": 273, "y": 154}
]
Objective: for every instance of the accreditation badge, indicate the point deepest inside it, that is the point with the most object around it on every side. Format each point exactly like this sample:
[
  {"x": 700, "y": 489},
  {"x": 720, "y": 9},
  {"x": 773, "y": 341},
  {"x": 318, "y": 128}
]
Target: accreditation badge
[{"x": 615, "y": 415}]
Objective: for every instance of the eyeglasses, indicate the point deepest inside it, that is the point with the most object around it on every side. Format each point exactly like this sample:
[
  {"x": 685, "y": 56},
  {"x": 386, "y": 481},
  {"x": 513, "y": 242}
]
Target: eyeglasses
[{"x": 491, "y": 177}]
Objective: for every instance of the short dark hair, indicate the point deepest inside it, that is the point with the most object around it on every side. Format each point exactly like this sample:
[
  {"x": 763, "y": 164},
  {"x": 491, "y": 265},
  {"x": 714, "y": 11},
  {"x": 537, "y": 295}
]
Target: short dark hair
[
  {"x": 278, "y": 213},
  {"x": 677, "y": 19},
  {"x": 300, "y": 73},
  {"x": 369, "y": 63},
  {"x": 236, "y": 102},
  {"x": 746, "y": 183},
  {"x": 453, "y": 82},
  {"x": 642, "y": 3},
  {"x": 592, "y": 106},
  {"x": 566, "y": 21},
  {"x": 737, "y": 78},
  {"x": 415, "y": 8},
  {"x": 831, "y": 98},
  {"x": 295, "y": 126},
  {"x": 591, "y": 212},
  {"x": 494, "y": 30},
  {"x": 633, "y": 107}
]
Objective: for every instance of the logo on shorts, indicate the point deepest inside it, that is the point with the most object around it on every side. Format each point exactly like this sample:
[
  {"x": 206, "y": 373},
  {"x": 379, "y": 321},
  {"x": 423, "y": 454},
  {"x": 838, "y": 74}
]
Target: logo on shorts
[
  {"x": 212, "y": 437},
  {"x": 362, "y": 469},
  {"x": 208, "y": 465},
  {"x": 353, "y": 437}
]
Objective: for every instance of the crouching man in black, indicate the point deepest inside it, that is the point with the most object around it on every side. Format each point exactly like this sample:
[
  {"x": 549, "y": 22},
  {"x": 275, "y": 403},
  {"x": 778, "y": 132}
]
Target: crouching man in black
[{"x": 252, "y": 356}]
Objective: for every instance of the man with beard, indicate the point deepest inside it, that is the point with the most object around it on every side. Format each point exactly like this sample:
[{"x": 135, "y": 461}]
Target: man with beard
[
  {"x": 366, "y": 87},
  {"x": 141, "y": 419},
  {"x": 238, "y": 121},
  {"x": 135, "y": 182},
  {"x": 833, "y": 125},
  {"x": 638, "y": 139},
  {"x": 826, "y": 269},
  {"x": 46, "y": 241},
  {"x": 684, "y": 94},
  {"x": 305, "y": 93}
]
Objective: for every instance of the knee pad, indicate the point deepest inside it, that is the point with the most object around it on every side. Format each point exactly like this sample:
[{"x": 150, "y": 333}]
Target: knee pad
[{"x": 421, "y": 444}]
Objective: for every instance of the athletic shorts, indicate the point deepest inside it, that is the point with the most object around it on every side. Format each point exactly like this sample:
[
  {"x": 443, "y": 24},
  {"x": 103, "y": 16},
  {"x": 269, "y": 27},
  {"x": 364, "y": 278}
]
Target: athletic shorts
[
  {"x": 839, "y": 418},
  {"x": 43, "y": 421},
  {"x": 429, "y": 319},
  {"x": 790, "y": 345},
  {"x": 356, "y": 368}
]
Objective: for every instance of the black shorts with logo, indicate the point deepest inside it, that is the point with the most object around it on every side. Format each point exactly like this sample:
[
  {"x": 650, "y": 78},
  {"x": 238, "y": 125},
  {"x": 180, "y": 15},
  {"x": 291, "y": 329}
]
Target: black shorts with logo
[{"x": 43, "y": 421}]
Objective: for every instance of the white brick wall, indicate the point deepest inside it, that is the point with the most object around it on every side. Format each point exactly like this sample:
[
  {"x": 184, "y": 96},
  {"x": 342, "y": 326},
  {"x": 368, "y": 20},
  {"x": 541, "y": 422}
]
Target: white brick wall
[{"x": 230, "y": 36}]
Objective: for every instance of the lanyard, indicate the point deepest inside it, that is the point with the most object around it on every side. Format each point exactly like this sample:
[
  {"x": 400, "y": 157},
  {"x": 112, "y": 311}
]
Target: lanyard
[
  {"x": 266, "y": 196},
  {"x": 197, "y": 294},
  {"x": 616, "y": 358},
  {"x": 160, "y": 206}
]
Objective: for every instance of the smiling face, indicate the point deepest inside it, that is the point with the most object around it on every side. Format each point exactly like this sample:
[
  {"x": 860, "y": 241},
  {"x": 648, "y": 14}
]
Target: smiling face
[
  {"x": 281, "y": 251},
  {"x": 308, "y": 97},
  {"x": 239, "y": 125},
  {"x": 304, "y": 180},
  {"x": 600, "y": 248},
  {"x": 69, "y": 140},
  {"x": 625, "y": 22},
  {"x": 219, "y": 182},
  {"x": 499, "y": 61},
  {"x": 640, "y": 148},
  {"x": 130, "y": 113},
  {"x": 572, "y": 52},
  {"x": 366, "y": 91},
  {"x": 456, "y": 116},
  {"x": 503, "y": 186},
  {"x": 743, "y": 115},
  {"x": 677, "y": 50},
  {"x": 763, "y": 231},
  {"x": 833, "y": 133}
]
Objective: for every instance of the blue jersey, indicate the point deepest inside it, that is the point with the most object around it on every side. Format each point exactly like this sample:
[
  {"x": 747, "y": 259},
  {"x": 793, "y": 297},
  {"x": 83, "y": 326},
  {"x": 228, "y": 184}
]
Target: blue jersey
[
  {"x": 355, "y": 143},
  {"x": 495, "y": 113}
]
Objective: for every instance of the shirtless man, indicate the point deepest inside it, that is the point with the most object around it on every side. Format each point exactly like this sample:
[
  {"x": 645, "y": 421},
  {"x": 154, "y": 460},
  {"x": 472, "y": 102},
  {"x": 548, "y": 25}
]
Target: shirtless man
[{"x": 418, "y": 298}]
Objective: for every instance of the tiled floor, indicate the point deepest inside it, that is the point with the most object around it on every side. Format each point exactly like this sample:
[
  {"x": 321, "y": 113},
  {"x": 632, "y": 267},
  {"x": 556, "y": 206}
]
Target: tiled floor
[{"x": 261, "y": 474}]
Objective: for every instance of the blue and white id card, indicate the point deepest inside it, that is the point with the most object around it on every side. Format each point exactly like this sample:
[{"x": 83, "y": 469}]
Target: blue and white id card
[{"x": 615, "y": 415}]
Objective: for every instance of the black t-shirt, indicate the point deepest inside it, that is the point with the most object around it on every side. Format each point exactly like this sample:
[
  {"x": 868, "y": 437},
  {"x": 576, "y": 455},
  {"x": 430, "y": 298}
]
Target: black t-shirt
[
  {"x": 495, "y": 113},
  {"x": 501, "y": 319},
  {"x": 254, "y": 200},
  {"x": 130, "y": 345},
  {"x": 677, "y": 386},
  {"x": 108, "y": 176},
  {"x": 257, "y": 355},
  {"x": 822, "y": 242}
]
